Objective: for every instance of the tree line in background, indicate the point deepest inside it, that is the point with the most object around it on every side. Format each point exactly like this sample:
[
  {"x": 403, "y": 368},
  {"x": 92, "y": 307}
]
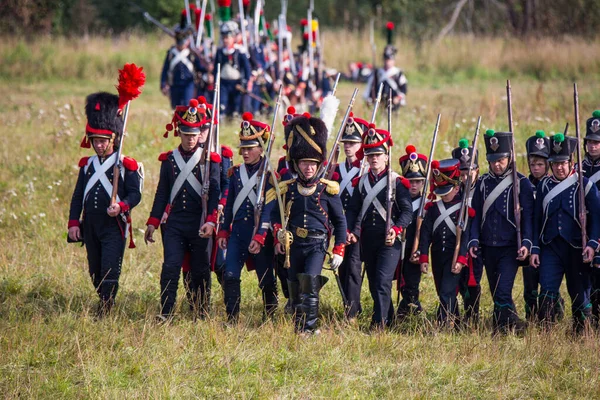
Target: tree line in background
[{"x": 417, "y": 19}]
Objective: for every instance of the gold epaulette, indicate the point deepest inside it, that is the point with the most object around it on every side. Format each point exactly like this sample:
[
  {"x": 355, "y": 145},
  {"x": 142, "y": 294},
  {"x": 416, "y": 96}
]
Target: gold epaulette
[
  {"x": 283, "y": 186},
  {"x": 272, "y": 194},
  {"x": 332, "y": 188}
]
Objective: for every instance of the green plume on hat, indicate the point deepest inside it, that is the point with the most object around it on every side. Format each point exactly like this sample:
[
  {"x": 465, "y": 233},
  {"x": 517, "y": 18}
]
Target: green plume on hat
[
  {"x": 490, "y": 132},
  {"x": 540, "y": 134},
  {"x": 463, "y": 143},
  {"x": 596, "y": 114},
  {"x": 559, "y": 137}
]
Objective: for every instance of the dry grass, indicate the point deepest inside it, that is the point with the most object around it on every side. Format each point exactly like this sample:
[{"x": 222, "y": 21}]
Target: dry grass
[{"x": 50, "y": 346}]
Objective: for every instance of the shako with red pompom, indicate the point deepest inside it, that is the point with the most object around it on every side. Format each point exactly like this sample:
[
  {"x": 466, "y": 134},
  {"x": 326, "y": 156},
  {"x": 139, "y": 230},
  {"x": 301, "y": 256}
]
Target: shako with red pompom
[
  {"x": 413, "y": 164},
  {"x": 186, "y": 119},
  {"x": 389, "y": 52},
  {"x": 253, "y": 132},
  {"x": 445, "y": 175},
  {"x": 354, "y": 129},
  {"x": 376, "y": 141},
  {"x": 290, "y": 114}
]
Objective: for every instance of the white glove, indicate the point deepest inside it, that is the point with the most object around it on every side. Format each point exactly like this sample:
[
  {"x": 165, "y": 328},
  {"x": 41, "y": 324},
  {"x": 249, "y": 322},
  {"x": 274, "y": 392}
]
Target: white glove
[
  {"x": 336, "y": 261},
  {"x": 220, "y": 207}
]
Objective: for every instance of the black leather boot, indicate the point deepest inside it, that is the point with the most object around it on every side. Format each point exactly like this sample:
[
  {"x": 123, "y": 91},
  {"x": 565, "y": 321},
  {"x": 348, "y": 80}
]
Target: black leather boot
[
  {"x": 310, "y": 286},
  {"x": 233, "y": 297},
  {"x": 269, "y": 294}
]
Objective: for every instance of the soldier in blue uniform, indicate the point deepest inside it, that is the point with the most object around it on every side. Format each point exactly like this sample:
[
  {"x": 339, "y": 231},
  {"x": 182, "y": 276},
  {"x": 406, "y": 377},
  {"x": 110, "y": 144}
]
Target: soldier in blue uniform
[
  {"x": 367, "y": 214},
  {"x": 414, "y": 168},
  {"x": 557, "y": 249},
  {"x": 181, "y": 67},
  {"x": 235, "y": 70},
  {"x": 351, "y": 267},
  {"x": 180, "y": 188},
  {"x": 313, "y": 209},
  {"x": 493, "y": 228},
  {"x": 591, "y": 170},
  {"x": 470, "y": 277},
  {"x": 236, "y": 232},
  {"x": 439, "y": 232},
  {"x": 104, "y": 226}
]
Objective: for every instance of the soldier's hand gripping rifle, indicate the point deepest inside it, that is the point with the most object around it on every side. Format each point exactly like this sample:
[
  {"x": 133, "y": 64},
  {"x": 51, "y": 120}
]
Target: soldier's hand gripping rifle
[
  {"x": 131, "y": 79},
  {"x": 390, "y": 181},
  {"x": 515, "y": 174},
  {"x": 335, "y": 149},
  {"x": 363, "y": 163},
  {"x": 463, "y": 216},
  {"x": 421, "y": 214},
  {"x": 208, "y": 146},
  {"x": 264, "y": 168},
  {"x": 582, "y": 215}
]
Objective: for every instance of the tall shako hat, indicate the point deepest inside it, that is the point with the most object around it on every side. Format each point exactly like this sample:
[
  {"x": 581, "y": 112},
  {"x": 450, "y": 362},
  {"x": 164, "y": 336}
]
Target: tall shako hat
[
  {"x": 224, "y": 10},
  {"x": 592, "y": 125},
  {"x": 182, "y": 30},
  {"x": 445, "y": 175},
  {"x": 187, "y": 119},
  {"x": 389, "y": 52},
  {"x": 306, "y": 139},
  {"x": 538, "y": 145},
  {"x": 413, "y": 164},
  {"x": 354, "y": 129},
  {"x": 376, "y": 141},
  {"x": 497, "y": 144},
  {"x": 464, "y": 153},
  {"x": 253, "y": 133},
  {"x": 561, "y": 148},
  {"x": 104, "y": 110}
]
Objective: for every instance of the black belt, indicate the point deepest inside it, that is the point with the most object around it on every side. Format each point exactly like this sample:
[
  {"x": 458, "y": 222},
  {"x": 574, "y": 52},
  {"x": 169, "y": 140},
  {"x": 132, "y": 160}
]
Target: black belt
[{"x": 304, "y": 233}]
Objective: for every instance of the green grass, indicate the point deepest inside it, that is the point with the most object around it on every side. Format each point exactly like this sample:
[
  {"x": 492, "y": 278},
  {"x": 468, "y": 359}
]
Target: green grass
[{"x": 51, "y": 347}]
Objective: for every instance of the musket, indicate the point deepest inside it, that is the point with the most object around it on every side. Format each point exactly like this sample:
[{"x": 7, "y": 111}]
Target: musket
[
  {"x": 243, "y": 27},
  {"x": 201, "y": 24},
  {"x": 373, "y": 56},
  {"x": 515, "y": 174},
  {"x": 390, "y": 180},
  {"x": 208, "y": 147},
  {"x": 363, "y": 164},
  {"x": 244, "y": 91},
  {"x": 187, "y": 12},
  {"x": 280, "y": 26},
  {"x": 463, "y": 216},
  {"x": 264, "y": 168},
  {"x": 581, "y": 189},
  {"x": 335, "y": 85},
  {"x": 153, "y": 20},
  {"x": 421, "y": 212},
  {"x": 335, "y": 149},
  {"x": 257, "y": 22}
]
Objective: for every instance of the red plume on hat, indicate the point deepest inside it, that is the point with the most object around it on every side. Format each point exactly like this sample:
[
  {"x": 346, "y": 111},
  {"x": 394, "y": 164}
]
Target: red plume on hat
[{"x": 131, "y": 79}]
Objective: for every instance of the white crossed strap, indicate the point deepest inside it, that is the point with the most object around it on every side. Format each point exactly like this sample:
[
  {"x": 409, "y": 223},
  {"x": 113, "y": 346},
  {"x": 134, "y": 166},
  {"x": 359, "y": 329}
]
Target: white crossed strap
[
  {"x": 248, "y": 185},
  {"x": 186, "y": 173},
  {"x": 498, "y": 190},
  {"x": 417, "y": 203},
  {"x": 347, "y": 177},
  {"x": 561, "y": 187},
  {"x": 445, "y": 214},
  {"x": 181, "y": 57},
  {"x": 372, "y": 192},
  {"x": 100, "y": 171},
  {"x": 386, "y": 76},
  {"x": 592, "y": 180}
]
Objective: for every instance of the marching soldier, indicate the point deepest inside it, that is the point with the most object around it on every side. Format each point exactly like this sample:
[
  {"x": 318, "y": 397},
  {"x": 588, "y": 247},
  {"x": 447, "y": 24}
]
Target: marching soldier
[
  {"x": 414, "y": 168},
  {"x": 105, "y": 225},
  {"x": 391, "y": 76},
  {"x": 439, "y": 232},
  {"x": 557, "y": 237},
  {"x": 237, "y": 230},
  {"x": 312, "y": 206},
  {"x": 591, "y": 170},
  {"x": 367, "y": 215},
  {"x": 181, "y": 67},
  {"x": 493, "y": 228},
  {"x": 180, "y": 189},
  {"x": 235, "y": 70},
  {"x": 470, "y": 277},
  {"x": 351, "y": 267}
]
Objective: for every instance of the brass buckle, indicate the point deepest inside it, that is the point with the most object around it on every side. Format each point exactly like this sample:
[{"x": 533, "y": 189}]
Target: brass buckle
[{"x": 301, "y": 233}]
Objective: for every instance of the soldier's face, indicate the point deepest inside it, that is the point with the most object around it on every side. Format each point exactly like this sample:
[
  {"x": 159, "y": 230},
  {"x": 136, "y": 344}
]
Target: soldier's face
[
  {"x": 228, "y": 40},
  {"x": 499, "y": 166},
  {"x": 416, "y": 186},
  {"x": 189, "y": 142},
  {"x": 251, "y": 155},
  {"x": 307, "y": 168},
  {"x": 350, "y": 148},
  {"x": 561, "y": 170},
  {"x": 593, "y": 148},
  {"x": 377, "y": 162},
  {"x": 203, "y": 135},
  {"x": 103, "y": 147},
  {"x": 537, "y": 167},
  {"x": 465, "y": 173}
]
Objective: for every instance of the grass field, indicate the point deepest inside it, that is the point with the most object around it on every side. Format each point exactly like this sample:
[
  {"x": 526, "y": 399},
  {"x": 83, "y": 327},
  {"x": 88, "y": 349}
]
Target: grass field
[{"x": 51, "y": 346}]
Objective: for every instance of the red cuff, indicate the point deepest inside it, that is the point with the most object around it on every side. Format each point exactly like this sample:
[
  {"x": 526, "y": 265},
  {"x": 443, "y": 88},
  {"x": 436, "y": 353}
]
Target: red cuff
[
  {"x": 260, "y": 238},
  {"x": 223, "y": 201},
  {"x": 124, "y": 206},
  {"x": 73, "y": 222},
  {"x": 339, "y": 249},
  {"x": 397, "y": 229},
  {"x": 276, "y": 228},
  {"x": 424, "y": 258},
  {"x": 462, "y": 260},
  {"x": 223, "y": 234},
  {"x": 155, "y": 222},
  {"x": 212, "y": 217}
]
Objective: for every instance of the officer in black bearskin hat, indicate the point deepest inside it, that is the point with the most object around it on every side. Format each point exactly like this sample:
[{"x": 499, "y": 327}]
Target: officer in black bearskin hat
[
  {"x": 105, "y": 225},
  {"x": 312, "y": 206}
]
